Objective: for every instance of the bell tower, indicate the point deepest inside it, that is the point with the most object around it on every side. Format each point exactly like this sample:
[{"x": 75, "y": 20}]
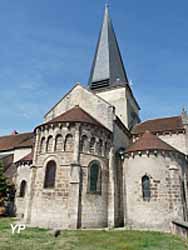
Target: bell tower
[{"x": 108, "y": 77}]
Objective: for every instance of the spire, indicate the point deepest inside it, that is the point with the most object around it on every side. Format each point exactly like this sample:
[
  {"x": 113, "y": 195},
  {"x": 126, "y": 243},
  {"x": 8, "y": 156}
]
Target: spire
[{"x": 108, "y": 68}]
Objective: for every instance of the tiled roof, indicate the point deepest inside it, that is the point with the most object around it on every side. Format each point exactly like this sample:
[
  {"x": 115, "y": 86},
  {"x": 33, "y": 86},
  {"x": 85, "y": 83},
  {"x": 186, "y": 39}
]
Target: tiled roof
[
  {"x": 148, "y": 141},
  {"x": 75, "y": 114},
  {"x": 10, "y": 142},
  {"x": 169, "y": 124}
]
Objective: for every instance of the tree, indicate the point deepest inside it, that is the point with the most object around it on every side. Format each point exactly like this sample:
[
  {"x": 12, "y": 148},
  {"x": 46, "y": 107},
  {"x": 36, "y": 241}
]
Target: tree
[
  {"x": 3, "y": 189},
  {"x": 3, "y": 183}
]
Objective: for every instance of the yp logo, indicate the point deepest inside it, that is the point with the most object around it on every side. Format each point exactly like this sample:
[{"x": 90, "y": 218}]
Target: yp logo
[{"x": 17, "y": 228}]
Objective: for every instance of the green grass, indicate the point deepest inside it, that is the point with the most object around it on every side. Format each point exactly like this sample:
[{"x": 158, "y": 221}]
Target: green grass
[{"x": 41, "y": 239}]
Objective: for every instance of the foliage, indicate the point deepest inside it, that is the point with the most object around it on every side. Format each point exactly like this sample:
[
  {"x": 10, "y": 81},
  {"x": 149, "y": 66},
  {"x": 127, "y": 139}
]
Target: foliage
[{"x": 3, "y": 183}]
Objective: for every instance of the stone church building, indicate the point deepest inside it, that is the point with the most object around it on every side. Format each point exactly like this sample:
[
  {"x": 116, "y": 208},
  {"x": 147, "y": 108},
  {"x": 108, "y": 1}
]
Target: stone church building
[{"x": 93, "y": 164}]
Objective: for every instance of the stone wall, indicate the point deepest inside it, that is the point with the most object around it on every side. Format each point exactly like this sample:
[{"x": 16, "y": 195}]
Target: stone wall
[
  {"x": 177, "y": 140},
  {"x": 120, "y": 140},
  {"x": 124, "y": 104},
  {"x": 92, "y": 104},
  {"x": 69, "y": 204},
  {"x": 23, "y": 174},
  {"x": 94, "y": 207},
  {"x": 165, "y": 173}
]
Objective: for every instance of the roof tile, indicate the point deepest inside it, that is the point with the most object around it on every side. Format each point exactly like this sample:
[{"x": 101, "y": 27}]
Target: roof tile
[
  {"x": 11, "y": 142},
  {"x": 148, "y": 141},
  {"x": 169, "y": 124},
  {"x": 75, "y": 114}
]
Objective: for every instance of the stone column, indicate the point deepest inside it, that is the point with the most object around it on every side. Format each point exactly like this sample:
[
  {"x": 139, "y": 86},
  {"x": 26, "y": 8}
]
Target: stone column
[
  {"x": 111, "y": 190},
  {"x": 75, "y": 185}
]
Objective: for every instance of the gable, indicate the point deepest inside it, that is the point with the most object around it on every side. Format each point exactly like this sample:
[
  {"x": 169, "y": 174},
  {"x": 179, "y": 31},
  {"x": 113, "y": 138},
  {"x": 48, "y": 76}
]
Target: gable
[{"x": 94, "y": 105}]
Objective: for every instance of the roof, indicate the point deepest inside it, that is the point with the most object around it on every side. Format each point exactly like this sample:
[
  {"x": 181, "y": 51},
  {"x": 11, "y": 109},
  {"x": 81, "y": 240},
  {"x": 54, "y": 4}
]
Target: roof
[
  {"x": 107, "y": 68},
  {"x": 11, "y": 142},
  {"x": 168, "y": 124},
  {"x": 148, "y": 141},
  {"x": 75, "y": 114}
]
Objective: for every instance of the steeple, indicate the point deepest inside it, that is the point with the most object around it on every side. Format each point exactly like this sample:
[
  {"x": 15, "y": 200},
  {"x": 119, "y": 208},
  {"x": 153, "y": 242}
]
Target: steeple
[{"x": 108, "y": 68}]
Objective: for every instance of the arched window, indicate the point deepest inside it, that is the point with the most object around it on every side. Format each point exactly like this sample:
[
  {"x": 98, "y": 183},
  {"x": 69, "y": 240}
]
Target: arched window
[
  {"x": 23, "y": 186},
  {"x": 94, "y": 177},
  {"x": 146, "y": 191},
  {"x": 68, "y": 143},
  {"x": 92, "y": 145},
  {"x": 49, "y": 181},
  {"x": 59, "y": 143},
  {"x": 49, "y": 144},
  {"x": 84, "y": 144},
  {"x": 100, "y": 147},
  {"x": 42, "y": 145}
]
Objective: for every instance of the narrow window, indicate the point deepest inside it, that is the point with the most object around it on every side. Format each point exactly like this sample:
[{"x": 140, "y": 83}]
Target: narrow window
[
  {"x": 68, "y": 143},
  {"x": 49, "y": 181},
  {"x": 59, "y": 143},
  {"x": 42, "y": 145},
  {"x": 146, "y": 188},
  {"x": 84, "y": 144},
  {"x": 92, "y": 146},
  {"x": 23, "y": 186},
  {"x": 94, "y": 177},
  {"x": 49, "y": 144}
]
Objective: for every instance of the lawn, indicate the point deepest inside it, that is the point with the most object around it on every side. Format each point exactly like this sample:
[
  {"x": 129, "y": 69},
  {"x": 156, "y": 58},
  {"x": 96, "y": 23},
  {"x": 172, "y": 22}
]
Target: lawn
[{"x": 41, "y": 239}]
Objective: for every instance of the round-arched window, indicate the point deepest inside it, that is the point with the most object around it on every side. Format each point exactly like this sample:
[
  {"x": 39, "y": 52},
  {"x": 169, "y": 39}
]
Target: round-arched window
[
  {"x": 146, "y": 191},
  {"x": 49, "y": 181},
  {"x": 94, "y": 177},
  {"x": 23, "y": 187}
]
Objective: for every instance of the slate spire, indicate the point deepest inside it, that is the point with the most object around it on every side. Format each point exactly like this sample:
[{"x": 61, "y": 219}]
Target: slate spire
[{"x": 107, "y": 68}]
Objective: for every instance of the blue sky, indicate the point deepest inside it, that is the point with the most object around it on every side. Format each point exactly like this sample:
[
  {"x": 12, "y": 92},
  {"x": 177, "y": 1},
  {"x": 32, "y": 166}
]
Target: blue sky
[{"x": 46, "y": 46}]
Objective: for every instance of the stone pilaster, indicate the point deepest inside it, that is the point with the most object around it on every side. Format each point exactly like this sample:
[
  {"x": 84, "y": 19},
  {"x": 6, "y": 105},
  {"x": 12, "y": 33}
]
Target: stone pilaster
[
  {"x": 75, "y": 184},
  {"x": 111, "y": 190},
  {"x": 175, "y": 193},
  {"x": 74, "y": 197},
  {"x": 36, "y": 146},
  {"x": 76, "y": 144}
]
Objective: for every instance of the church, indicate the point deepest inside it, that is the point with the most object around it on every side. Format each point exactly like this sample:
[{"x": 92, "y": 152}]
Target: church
[{"x": 92, "y": 163}]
